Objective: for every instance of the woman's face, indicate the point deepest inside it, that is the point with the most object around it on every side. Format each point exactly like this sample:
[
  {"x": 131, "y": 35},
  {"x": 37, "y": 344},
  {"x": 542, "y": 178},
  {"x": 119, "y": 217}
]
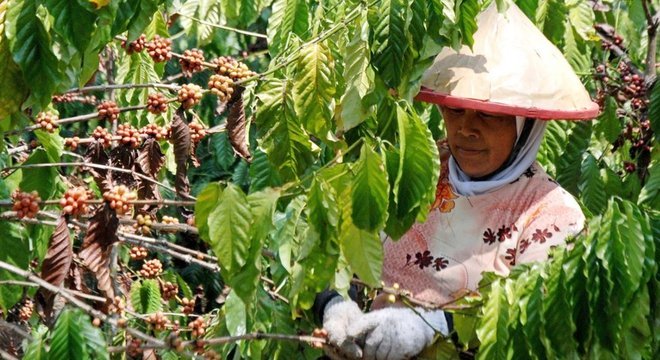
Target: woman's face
[{"x": 480, "y": 142}]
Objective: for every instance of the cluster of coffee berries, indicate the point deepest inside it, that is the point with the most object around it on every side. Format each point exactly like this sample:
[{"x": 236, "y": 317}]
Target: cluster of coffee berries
[
  {"x": 142, "y": 224},
  {"x": 26, "y": 309},
  {"x": 136, "y": 45},
  {"x": 198, "y": 327},
  {"x": 633, "y": 86},
  {"x": 26, "y": 204},
  {"x": 72, "y": 143},
  {"x": 120, "y": 198},
  {"x": 617, "y": 40},
  {"x": 46, "y": 120},
  {"x": 189, "y": 95},
  {"x": 174, "y": 342},
  {"x": 138, "y": 253},
  {"x": 222, "y": 86},
  {"x": 103, "y": 136},
  {"x": 72, "y": 97},
  {"x": 191, "y": 62},
  {"x": 117, "y": 307},
  {"x": 160, "y": 49},
  {"x": 74, "y": 201},
  {"x": 130, "y": 136},
  {"x": 169, "y": 290},
  {"x": 197, "y": 132},
  {"x": 108, "y": 110},
  {"x": 157, "y": 103},
  {"x": 228, "y": 66},
  {"x": 188, "y": 305},
  {"x": 211, "y": 355},
  {"x": 134, "y": 348},
  {"x": 158, "y": 321},
  {"x": 154, "y": 131},
  {"x": 151, "y": 268},
  {"x": 168, "y": 220}
]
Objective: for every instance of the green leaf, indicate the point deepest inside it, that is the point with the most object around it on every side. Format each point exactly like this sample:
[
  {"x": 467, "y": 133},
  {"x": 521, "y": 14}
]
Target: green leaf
[
  {"x": 77, "y": 32},
  {"x": 592, "y": 186},
  {"x": 370, "y": 191},
  {"x": 419, "y": 164},
  {"x": 389, "y": 42},
  {"x": 654, "y": 107},
  {"x": 15, "y": 251},
  {"x": 558, "y": 327},
  {"x": 262, "y": 173},
  {"x": 13, "y": 89},
  {"x": 362, "y": 249},
  {"x": 95, "y": 343},
  {"x": 493, "y": 332},
  {"x": 314, "y": 88},
  {"x": 137, "y": 68},
  {"x": 280, "y": 135},
  {"x": 569, "y": 164},
  {"x": 229, "y": 229},
  {"x": 142, "y": 18},
  {"x": 581, "y": 16},
  {"x": 207, "y": 200},
  {"x": 32, "y": 49},
  {"x": 608, "y": 124},
  {"x": 36, "y": 348},
  {"x": 649, "y": 194},
  {"x": 323, "y": 214},
  {"x": 208, "y": 11},
  {"x": 576, "y": 51},
  {"x": 222, "y": 151},
  {"x": 52, "y": 143},
  {"x": 235, "y": 315},
  {"x": 41, "y": 179},
  {"x": 357, "y": 74},
  {"x": 466, "y": 19},
  {"x": 145, "y": 296},
  {"x": 68, "y": 340},
  {"x": 288, "y": 17},
  {"x": 552, "y": 145}
]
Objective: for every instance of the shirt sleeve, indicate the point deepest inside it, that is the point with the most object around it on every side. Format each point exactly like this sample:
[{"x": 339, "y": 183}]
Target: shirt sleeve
[{"x": 556, "y": 218}]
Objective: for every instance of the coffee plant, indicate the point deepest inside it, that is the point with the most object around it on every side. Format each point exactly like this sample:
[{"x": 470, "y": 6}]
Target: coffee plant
[{"x": 179, "y": 179}]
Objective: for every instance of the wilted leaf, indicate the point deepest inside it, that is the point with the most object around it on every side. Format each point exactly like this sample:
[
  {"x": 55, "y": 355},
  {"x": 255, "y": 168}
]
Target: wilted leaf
[
  {"x": 151, "y": 159},
  {"x": 182, "y": 147},
  {"x": 96, "y": 247},
  {"x": 237, "y": 129},
  {"x": 57, "y": 263}
]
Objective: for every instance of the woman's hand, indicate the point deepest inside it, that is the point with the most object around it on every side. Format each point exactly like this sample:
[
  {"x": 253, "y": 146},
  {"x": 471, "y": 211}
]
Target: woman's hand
[
  {"x": 338, "y": 316},
  {"x": 396, "y": 333}
]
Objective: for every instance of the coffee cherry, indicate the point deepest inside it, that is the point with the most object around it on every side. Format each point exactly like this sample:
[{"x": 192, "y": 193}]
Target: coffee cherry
[
  {"x": 26, "y": 310},
  {"x": 72, "y": 143},
  {"x": 157, "y": 103},
  {"x": 154, "y": 131},
  {"x": 169, "y": 290},
  {"x": 189, "y": 95},
  {"x": 197, "y": 132},
  {"x": 74, "y": 201},
  {"x": 121, "y": 322},
  {"x": 198, "y": 327},
  {"x": 138, "y": 253},
  {"x": 191, "y": 62},
  {"x": 168, "y": 220},
  {"x": 151, "y": 268},
  {"x": 108, "y": 110},
  {"x": 26, "y": 204},
  {"x": 130, "y": 136},
  {"x": 160, "y": 49},
  {"x": 230, "y": 67},
  {"x": 191, "y": 221},
  {"x": 158, "y": 321},
  {"x": 629, "y": 167},
  {"x": 188, "y": 305},
  {"x": 221, "y": 86},
  {"x": 211, "y": 355},
  {"x": 103, "y": 136},
  {"x": 142, "y": 224},
  {"x": 120, "y": 198},
  {"x": 96, "y": 322},
  {"x": 46, "y": 120},
  {"x": 117, "y": 307},
  {"x": 133, "y": 349},
  {"x": 136, "y": 45}
]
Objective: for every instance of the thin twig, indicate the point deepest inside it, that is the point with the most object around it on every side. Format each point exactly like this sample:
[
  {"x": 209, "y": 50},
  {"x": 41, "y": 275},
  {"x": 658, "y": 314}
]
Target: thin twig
[
  {"x": 258, "y": 336},
  {"x": 74, "y": 292},
  {"x": 109, "y": 87},
  {"x": 6, "y": 355},
  {"x": 652, "y": 22},
  {"x": 15, "y": 329},
  {"x": 223, "y": 27}
]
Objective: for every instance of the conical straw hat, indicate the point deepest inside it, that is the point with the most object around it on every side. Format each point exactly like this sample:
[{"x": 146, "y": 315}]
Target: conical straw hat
[{"x": 512, "y": 69}]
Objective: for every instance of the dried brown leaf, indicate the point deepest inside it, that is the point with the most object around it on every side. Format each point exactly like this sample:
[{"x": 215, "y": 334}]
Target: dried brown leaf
[
  {"x": 97, "y": 245},
  {"x": 182, "y": 147},
  {"x": 237, "y": 130},
  {"x": 124, "y": 157},
  {"x": 59, "y": 256},
  {"x": 97, "y": 155},
  {"x": 151, "y": 158}
]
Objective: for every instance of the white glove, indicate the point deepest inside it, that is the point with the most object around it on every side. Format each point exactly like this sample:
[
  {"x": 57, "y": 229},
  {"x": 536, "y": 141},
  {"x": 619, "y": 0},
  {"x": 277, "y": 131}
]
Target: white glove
[
  {"x": 338, "y": 314},
  {"x": 396, "y": 333}
]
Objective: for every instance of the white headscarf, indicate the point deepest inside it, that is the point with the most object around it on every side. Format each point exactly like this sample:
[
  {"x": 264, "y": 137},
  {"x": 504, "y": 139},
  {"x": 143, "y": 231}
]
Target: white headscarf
[{"x": 464, "y": 185}]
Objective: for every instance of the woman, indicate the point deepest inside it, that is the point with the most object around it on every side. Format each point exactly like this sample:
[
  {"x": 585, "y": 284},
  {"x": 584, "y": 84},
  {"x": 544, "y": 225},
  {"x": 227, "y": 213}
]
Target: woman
[{"x": 495, "y": 207}]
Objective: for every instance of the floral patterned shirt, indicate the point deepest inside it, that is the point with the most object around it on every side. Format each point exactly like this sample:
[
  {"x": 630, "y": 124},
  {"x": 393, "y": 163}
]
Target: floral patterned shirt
[{"x": 464, "y": 236}]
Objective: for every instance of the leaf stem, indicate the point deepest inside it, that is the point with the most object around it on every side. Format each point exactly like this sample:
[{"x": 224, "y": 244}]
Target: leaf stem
[{"x": 223, "y": 27}]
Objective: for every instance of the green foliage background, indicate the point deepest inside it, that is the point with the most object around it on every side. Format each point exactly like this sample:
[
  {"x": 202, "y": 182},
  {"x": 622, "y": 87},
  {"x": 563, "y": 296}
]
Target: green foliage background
[{"x": 341, "y": 153}]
